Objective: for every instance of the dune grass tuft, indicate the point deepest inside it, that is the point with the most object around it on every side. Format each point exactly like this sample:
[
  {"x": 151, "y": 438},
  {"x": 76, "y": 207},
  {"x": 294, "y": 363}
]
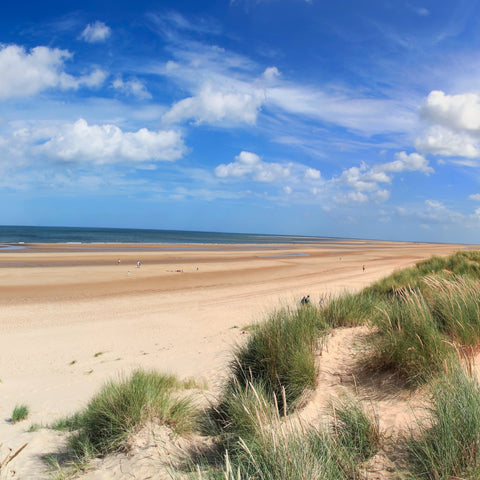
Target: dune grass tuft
[
  {"x": 280, "y": 354},
  {"x": 348, "y": 309},
  {"x": 355, "y": 429},
  {"x": 448, "y": 445},
  {"x": 20, "y": 412},
  {"x": 122, "y": 407}
]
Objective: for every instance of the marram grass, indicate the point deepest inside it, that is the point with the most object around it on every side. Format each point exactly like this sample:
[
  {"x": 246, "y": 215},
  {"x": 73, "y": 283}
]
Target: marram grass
[
  {"x": 448, "y": 445},
  {"x": 280, "y": 354},
  {"x": 122, "y": 407},
  {"x": 20, "y": 412}
]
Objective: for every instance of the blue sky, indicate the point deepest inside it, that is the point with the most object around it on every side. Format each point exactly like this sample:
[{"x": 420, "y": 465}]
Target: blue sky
[{"x": 346, "y": 118}]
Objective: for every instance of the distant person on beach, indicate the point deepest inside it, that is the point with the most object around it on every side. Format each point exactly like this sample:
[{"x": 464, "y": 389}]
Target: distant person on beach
[
  {"x": 305, "y": 300},
  {"x": 118, "y": 261},
  {"x": 364, "y": 268},
  {"x": 138, "y": 264}
]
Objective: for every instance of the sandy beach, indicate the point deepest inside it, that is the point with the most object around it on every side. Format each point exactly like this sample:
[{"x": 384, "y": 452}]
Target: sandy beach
[{"x": 72, "y": 316}]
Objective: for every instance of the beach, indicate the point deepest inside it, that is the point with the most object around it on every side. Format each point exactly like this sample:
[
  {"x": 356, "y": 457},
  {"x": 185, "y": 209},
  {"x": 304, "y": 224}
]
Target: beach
[{"x": 73, "y": 316}]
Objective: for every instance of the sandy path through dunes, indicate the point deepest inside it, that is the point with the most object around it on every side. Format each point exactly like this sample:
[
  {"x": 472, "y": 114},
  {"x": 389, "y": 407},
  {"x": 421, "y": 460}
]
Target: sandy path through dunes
[{"x": 72, "y": 317}]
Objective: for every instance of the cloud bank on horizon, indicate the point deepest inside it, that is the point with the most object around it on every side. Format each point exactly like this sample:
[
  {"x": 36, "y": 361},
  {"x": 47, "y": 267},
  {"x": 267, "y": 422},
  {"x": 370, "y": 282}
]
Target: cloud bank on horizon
[{"x": 270, "y": 117}]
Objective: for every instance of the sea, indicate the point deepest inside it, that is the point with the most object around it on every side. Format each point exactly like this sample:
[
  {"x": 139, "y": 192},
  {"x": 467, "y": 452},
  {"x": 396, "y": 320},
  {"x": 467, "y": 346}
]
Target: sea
[{"x": 19, "y": 235}]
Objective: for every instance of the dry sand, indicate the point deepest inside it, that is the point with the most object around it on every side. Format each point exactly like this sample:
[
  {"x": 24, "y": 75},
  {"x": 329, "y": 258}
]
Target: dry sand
[{"x": 72, "y": 316}]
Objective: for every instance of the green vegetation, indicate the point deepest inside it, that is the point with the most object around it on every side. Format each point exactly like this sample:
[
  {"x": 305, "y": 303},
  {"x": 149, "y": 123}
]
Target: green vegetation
[
  {"x": 409, "y": 340},
  {"x": 425, "y": 322},
  {"x": 121, "y": 407},
  {"x": 448, "y": 445},
  {"x": 20, "y": 412},
  {"x": 354, "y": 429},
  {"x": 280, "y": 355},
  {"x": 348, "y": 309}
]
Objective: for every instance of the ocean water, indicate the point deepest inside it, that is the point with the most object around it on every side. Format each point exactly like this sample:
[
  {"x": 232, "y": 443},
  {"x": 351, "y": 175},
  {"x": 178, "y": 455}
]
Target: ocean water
[{"x": 22, "y": 234}]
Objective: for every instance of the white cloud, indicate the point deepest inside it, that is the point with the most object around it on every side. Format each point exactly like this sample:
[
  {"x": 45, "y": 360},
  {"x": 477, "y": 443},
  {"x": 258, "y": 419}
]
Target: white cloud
[
  {"x": 365, "y": 115},
  {"x": 453, "y": 126},
  {"x": 475, "y": 196},
  {"x": 131, "y": 87},
  {"x": 404, "y": 162},
  {"x": 456, "y": 112},
  {"x": 312, "y": 174},
  {"x": 212, "y": 73},
  {"x": 98, "y": 144},
  {"x": 96, "y": 32},
  {"x": 287, "y": 189},
  {"x": 247, "y": 163},
  {"x": 439, "y": 140},
  {"x": 25, "y": 73},
  {"x": 214, "y": 106},
  {"x": 366, "y": 180},
  {"x": 433, "y": 212},
  {"x": 271, "y": 73}
]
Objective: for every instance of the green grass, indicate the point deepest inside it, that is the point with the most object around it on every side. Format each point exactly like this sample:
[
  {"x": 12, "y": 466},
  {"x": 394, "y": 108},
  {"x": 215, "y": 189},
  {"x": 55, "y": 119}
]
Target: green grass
[
  {"x": 448, "y": 445},
  {"x": 280, "y": 354},
  {"x": 464, "y": 263},
  {"x": 455, "y": 306},
  {"x": 355, "y": 429},
  {"x": 264, "y": 444},
  {"x": 20, "y": 412},
  {"x": 124, "y": 406},
  {"x": 348, "y": 309},
  {"x": 410, "y": 342}
]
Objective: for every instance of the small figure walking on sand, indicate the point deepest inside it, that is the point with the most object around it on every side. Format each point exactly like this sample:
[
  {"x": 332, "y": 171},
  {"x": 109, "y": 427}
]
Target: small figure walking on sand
[
  {"x": 138, "y": 263},
  {"x": 363, "y": 268}
]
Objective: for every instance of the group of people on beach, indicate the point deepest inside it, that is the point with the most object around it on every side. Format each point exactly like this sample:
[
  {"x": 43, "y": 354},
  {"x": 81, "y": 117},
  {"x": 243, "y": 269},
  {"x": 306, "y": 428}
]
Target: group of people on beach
[{"x": 305, "y": 300}]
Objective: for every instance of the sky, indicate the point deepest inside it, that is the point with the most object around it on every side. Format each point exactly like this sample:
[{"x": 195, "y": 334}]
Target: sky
[{"x": 356, "y": 119}]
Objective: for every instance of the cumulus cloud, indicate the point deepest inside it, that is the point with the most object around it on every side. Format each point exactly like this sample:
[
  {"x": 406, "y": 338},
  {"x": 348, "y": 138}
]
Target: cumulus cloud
[
  {"x": 25, "y": 73},
  {"x": 475, "y": 196},
  {"x": 96, "y": 32},
  {"x": 404, "y": 162},
  {"x": 456, "y": 112},
  {"x": 440, "y": 140},
  {"x": 312, "y": 174},
  {"x": 366, "y": 181},
  {"x": 453, "y": 125},
  {"x": 247, "y": 163},
  {"x": 214, "y": 106},
  {"x": 131, "y": 87},
  {"x": 99, "y": 144}
]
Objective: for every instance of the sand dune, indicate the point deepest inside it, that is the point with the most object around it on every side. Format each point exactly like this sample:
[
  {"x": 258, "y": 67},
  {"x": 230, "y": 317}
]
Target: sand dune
[{"x": 71, "y": 317}]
